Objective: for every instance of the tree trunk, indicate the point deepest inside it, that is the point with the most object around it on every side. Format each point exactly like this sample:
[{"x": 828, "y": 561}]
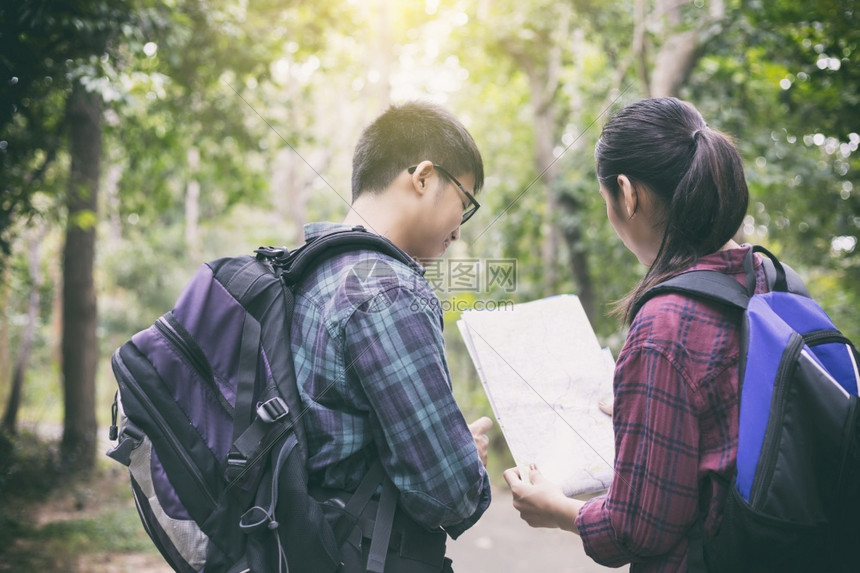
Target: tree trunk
[
  {"x": 543, "y": 68},
  {"x": 79, "y": 344},
  {"x": 192, "y": 206},
  {"x": 640, "y": 44},
  {"x": 4, "y": 325},
  {"x": 544, "y": 117},
  {"x": 10, "y": 416},
  {"x": 577, "y": 257},
  {"x": 381, "y": 57},
  {"x": 681, "y": 50},
  {"x": 674, "y": 63}
]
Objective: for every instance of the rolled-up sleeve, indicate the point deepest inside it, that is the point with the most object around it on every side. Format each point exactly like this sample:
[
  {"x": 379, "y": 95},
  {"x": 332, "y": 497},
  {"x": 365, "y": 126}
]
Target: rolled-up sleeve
[{"x": 394, "y": 349}]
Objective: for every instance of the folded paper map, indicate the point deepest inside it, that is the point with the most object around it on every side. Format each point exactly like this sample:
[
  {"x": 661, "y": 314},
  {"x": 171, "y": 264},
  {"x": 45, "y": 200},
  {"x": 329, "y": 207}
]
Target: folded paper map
[{"x": 544, "y": 372}]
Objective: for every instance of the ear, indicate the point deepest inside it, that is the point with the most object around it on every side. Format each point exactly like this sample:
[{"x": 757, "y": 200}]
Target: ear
[
  {"x": 420, "y": 176},
  {"x": 629, "y": 196}
]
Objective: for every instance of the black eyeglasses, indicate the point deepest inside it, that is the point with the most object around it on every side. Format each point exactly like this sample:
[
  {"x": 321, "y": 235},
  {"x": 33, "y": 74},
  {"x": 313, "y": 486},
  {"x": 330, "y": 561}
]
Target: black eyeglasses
[{"x": 469, "y": 209}]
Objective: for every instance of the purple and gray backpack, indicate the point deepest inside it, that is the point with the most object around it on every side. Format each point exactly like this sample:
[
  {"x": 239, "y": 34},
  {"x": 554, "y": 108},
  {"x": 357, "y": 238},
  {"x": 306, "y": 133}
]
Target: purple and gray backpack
[
  {"x": 795, "y": 498},
  {"x": 210, "y": 421}
]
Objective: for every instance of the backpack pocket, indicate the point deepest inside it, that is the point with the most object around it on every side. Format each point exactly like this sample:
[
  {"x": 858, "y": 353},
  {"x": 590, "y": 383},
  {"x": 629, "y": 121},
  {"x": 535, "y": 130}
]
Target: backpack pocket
[
  {"x": 173, "y": 470},
  {"x": 179, "y": 539}
]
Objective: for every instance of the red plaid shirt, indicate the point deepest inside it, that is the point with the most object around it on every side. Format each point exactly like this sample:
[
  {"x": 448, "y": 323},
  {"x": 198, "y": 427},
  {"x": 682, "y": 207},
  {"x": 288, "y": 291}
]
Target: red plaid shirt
[{"x": 676, "y": 428}]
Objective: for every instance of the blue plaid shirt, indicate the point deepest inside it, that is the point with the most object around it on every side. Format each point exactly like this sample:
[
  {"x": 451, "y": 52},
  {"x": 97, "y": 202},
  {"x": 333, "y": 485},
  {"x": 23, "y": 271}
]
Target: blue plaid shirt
[{"x": 370, "y": 361}]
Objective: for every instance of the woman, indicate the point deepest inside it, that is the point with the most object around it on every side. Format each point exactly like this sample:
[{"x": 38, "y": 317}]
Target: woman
[{"x": 675, "y": 194}]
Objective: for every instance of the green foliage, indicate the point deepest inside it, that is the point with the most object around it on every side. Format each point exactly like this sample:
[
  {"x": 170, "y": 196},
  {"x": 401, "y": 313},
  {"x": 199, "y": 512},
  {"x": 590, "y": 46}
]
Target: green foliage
[
  {"x": 795, "y": 119},
  {"x": 142, "y": 278},
  {"x": 44, "y": 47},
  {"x": 28, "y": 467},
  {"x": 818, "y": 44},
  {"x": 48, "y": 521},
  {"x": 112, "y": 531}
]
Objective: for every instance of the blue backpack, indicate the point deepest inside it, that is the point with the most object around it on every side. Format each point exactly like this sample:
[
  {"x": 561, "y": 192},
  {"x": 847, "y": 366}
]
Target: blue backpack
[
  {"x": 210, "y": 424},
  {"x": 794, "y": 504}
]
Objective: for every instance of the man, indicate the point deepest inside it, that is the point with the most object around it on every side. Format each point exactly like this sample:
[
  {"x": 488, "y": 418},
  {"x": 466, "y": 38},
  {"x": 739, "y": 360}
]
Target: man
[{"x": 368, "y": 347}]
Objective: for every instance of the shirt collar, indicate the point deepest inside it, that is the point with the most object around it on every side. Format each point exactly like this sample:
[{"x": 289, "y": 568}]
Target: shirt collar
[
  {"x": 730, "y": 261},
  {"x": 314, "y": 230}
]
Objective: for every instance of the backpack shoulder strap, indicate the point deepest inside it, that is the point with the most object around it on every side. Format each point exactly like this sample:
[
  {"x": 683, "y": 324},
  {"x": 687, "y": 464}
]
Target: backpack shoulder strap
[
  {"x": 292, "y": 267},
  {"x": 295, "y": 264},
  {"x": 708, "y": 285},
  {"x": 774, "y": 270},
  {"x": 717, "y": 287}
]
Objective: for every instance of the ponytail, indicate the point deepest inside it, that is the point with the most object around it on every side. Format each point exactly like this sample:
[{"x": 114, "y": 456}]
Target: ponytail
[{"x": 694, "y": 171}]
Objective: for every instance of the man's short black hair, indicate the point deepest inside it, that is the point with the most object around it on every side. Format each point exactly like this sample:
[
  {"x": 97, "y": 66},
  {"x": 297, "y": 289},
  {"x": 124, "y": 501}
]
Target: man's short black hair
[{"x": 407, "y": 134}]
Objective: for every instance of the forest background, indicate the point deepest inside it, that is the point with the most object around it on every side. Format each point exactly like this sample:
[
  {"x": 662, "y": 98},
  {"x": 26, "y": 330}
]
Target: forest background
[{"x": 140, "y": 138}]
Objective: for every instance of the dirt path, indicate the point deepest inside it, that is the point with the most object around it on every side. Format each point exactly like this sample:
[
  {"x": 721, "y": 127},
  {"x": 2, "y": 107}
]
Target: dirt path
[{"x": 501, "y": 542}]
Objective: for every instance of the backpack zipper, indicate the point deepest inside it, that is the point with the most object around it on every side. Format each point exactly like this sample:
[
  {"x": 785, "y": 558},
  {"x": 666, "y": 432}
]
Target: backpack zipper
[
  {"x": 126, "y": 383},
  {"x": 817, "y": 337},
  {"x": 173, "y": 331},
  {"x": 170, "y": 328},
  {"x": 767, "y": 460}
]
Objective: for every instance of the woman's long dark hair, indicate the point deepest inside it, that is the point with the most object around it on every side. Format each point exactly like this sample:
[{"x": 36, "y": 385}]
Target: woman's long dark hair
[{"x": 694, "y": 171}]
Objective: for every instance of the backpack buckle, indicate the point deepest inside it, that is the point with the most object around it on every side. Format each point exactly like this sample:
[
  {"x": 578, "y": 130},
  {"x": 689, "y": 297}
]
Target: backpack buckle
[
  {"x": 272, "y": 410},
  {"x": 235, "y": 466},
  {"x": 270, "y": 253},
  {"x": 275, "y": 256}
]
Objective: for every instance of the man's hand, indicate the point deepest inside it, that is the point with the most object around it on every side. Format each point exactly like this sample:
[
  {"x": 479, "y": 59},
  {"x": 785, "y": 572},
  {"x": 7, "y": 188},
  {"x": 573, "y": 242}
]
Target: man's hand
[{"x": 479, "y": 429}]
